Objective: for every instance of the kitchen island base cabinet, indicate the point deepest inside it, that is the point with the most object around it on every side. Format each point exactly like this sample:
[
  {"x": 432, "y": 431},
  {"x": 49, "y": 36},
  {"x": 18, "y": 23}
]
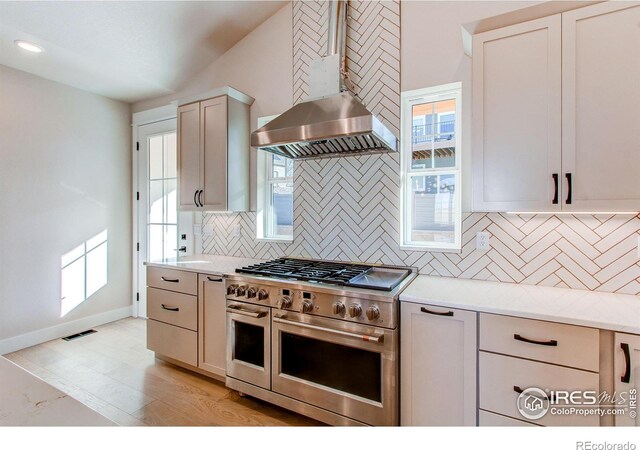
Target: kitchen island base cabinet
[
  {"x": 438, "y": 366},
  {"x": 626, "y": 359},
  {"x": 212, "y": 325}
]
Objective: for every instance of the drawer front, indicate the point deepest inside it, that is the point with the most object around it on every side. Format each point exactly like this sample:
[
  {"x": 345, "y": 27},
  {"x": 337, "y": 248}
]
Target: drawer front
[
  {"x": 574, "y": 346},
  {"x": 489, "y": 419},
  {"x": 173, "y": 280},
  {"x": 173, "y": 308},
  {"x": 499, "y": 375},
  {"x": 172, "y": 341}
]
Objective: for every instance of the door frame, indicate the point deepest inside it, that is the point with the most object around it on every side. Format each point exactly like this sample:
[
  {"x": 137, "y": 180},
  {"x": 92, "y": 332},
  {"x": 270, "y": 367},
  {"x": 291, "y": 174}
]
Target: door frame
[{"x": 139, "y": 119}]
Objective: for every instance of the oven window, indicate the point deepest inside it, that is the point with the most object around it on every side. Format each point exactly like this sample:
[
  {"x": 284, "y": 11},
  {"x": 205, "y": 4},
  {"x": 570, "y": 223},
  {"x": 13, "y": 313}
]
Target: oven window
[
  {"x": 249, "y": 343},
  {"x": 346, "y": 369}
]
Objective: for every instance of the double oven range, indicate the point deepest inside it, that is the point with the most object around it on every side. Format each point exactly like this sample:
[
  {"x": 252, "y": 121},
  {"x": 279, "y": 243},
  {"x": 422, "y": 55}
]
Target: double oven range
[{"x": 317, "y": 337}]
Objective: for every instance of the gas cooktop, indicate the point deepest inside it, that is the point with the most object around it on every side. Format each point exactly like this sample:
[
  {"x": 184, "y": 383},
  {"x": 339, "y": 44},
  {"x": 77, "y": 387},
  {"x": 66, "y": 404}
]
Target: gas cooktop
[{"x": 384, "y": 278}]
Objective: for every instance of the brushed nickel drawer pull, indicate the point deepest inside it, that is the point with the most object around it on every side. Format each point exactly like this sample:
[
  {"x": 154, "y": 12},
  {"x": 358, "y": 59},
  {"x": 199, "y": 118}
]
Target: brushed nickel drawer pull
[
  {"x": 170, "y": 308},
  {"x": 436, "y": 313},
  {"x": 170, "y": 280},
  {"x": 549, "y": 343}
]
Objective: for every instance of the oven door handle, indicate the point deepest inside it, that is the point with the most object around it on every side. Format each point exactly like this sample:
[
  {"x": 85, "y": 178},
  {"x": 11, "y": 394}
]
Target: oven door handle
[
  {"x": 378, "y": 339},
  {"x": 246, "y": 312}
]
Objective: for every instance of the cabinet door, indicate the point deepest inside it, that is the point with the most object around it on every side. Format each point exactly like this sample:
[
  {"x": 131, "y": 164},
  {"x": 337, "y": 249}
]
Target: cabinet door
[
  {"x": 213, "y": 116},
  {"x": 601, "y": 107},
  {"x": 438, "y": 361},
  {"x": 212, "y": 336},
  {"x": 188, "y": 155},
  {"x": 516, "y": 117},
  {"x": 626, "y": 361}
]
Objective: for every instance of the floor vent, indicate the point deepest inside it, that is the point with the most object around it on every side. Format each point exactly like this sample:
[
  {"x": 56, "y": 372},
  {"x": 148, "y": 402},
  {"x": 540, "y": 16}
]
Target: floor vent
[{"x": 78, "y": 335}]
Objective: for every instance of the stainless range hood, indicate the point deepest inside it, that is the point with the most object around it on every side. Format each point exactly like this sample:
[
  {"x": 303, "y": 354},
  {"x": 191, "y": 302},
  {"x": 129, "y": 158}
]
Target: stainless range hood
[{"x": 332, "y": 126}]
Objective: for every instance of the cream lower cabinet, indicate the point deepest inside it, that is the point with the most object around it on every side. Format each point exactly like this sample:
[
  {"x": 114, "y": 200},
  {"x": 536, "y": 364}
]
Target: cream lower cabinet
[
  {"x": 212, "y": 325},
  {"x": 626, "y": 374},
  {"x": 438, "y": 366}
]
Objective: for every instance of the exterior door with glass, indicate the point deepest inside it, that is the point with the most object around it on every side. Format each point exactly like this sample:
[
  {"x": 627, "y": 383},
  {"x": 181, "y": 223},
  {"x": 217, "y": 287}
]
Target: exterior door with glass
[{"x": 157, "y": 205}]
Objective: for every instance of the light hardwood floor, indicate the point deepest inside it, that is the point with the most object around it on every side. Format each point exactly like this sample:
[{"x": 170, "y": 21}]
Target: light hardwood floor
[{"x": 112, "y": 372}]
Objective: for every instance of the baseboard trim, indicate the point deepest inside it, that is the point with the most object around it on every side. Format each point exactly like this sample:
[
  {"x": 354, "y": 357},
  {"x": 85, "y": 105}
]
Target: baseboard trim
[{"x": 21, "y": 341}]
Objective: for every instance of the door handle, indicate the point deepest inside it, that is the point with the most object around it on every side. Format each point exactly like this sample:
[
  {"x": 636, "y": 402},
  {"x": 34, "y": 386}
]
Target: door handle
[
  {"x": 569, "y": 182},
  {"x": 378, "y": 339},
  {"x": 170, "y": 308},
  {"x": 195, "y": 197},
  {"x": 428, "y": 311},
  {"x": 246, "y": 312},
  {"x": 200, "y": 198},
  {"x": 555, "y": 184},
  {"x": 170, "y": 280},
  {"x": 627, "y": 361},
  {"x": 549, "y": 343},
  {"x": 181, "y": 249},
  {"x": 215, "y": 280}
]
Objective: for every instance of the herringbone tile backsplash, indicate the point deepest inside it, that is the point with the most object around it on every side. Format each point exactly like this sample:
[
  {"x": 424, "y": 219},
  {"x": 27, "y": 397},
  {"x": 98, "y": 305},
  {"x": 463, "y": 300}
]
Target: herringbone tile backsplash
[{"x": 348, "y": 208}]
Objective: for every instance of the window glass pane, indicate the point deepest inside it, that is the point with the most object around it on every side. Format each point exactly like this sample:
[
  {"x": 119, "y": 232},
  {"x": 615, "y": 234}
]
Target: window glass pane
[
  {"x": 155, "y": 157},
  {"x": 170, "y": 158},
  {"x": 282, "y": 167},
  {"x": 433, "y": 209},
  {"x": 96, "y": 269},
  {"x": 433, "y": 134},
  {"x": 281, "y": 211},
  {"x": 155, "y": 201},
  {"x": 155, "y": 242},
  {"x": 170, "y": 241},
  {"x": 171, "y": 205}
]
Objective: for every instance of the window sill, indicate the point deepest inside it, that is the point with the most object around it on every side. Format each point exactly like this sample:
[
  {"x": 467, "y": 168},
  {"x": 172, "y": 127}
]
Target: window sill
[
  {"x": 275, "y": 240},
  {"x": 416, "y": 248}
]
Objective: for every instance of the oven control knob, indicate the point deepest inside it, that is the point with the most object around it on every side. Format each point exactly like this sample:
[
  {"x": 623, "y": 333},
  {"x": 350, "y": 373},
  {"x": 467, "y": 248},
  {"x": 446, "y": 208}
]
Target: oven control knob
[
  {"x": 241, "y": 291},
  {"x": 231, "y": 289},
  {"x": 338, "y": 308},
  {"x": 262, "y": 294},
  {"x": 307, "y": 306},
  {"x": 373, "y": 313},
  {"x": 285, "y": 302},
  {"x": 355, "y": 310},
  {"x": 251, "y": 292}
]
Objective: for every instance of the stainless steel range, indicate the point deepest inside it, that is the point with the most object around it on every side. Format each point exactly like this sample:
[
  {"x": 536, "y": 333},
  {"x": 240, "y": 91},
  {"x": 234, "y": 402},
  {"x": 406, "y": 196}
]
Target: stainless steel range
[{"x": 317, "y": 337}]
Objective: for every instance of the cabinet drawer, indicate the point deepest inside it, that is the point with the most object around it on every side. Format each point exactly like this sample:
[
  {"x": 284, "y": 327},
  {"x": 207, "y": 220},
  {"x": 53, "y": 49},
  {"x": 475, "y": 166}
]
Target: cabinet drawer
[
  {"x": 489, "y": 419},
  {"x": 499, "y": 375},
  {"x": 173, "y": 308},
  {"x": 173, "y": 280},
  {"x": 574, "y": 346},
  {"x": 172, "y": 341}
]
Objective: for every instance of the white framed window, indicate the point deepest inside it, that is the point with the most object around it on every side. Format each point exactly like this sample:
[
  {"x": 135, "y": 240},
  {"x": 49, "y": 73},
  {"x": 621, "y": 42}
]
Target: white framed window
[
  {"x": 275, "y": 195},
  {"x": 431, "y": 216}
]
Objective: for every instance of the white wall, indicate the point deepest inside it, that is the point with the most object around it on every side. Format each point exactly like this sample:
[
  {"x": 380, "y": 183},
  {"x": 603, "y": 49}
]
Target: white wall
[
  {"x": 65, "y": 176},
  {"x": 260, "y": 65},
  {"x": 432, "y": 54}
]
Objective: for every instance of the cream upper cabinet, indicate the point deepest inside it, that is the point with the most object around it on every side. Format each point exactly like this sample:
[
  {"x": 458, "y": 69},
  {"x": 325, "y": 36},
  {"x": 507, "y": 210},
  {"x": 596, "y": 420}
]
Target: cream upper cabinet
[
  {"x": 626, "y": 364},
  {"x": 188, "y": 154},
  {"x": 516, "y": 117},
  {"x": 601, "y": 107},
  {"x": 556, "y": 112},
  {"x": 438, "y": 366},
  {"x": 213, "y": 155}
]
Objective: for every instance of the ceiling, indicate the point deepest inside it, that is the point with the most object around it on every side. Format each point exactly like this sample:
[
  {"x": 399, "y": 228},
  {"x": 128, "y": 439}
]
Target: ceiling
[{"x": 128, "y": 51}]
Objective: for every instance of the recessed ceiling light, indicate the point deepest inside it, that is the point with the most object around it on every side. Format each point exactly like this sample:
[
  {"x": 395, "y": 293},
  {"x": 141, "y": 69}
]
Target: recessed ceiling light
[{"x": 29, "y": 46}]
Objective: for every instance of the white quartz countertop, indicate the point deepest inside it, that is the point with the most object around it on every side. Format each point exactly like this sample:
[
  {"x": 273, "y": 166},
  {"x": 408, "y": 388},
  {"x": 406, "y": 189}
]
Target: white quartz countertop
[
  {"x": 617, "y": 312},
  {"x": 26, "y": 400},
  {"x": 209, "y": 264}
]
